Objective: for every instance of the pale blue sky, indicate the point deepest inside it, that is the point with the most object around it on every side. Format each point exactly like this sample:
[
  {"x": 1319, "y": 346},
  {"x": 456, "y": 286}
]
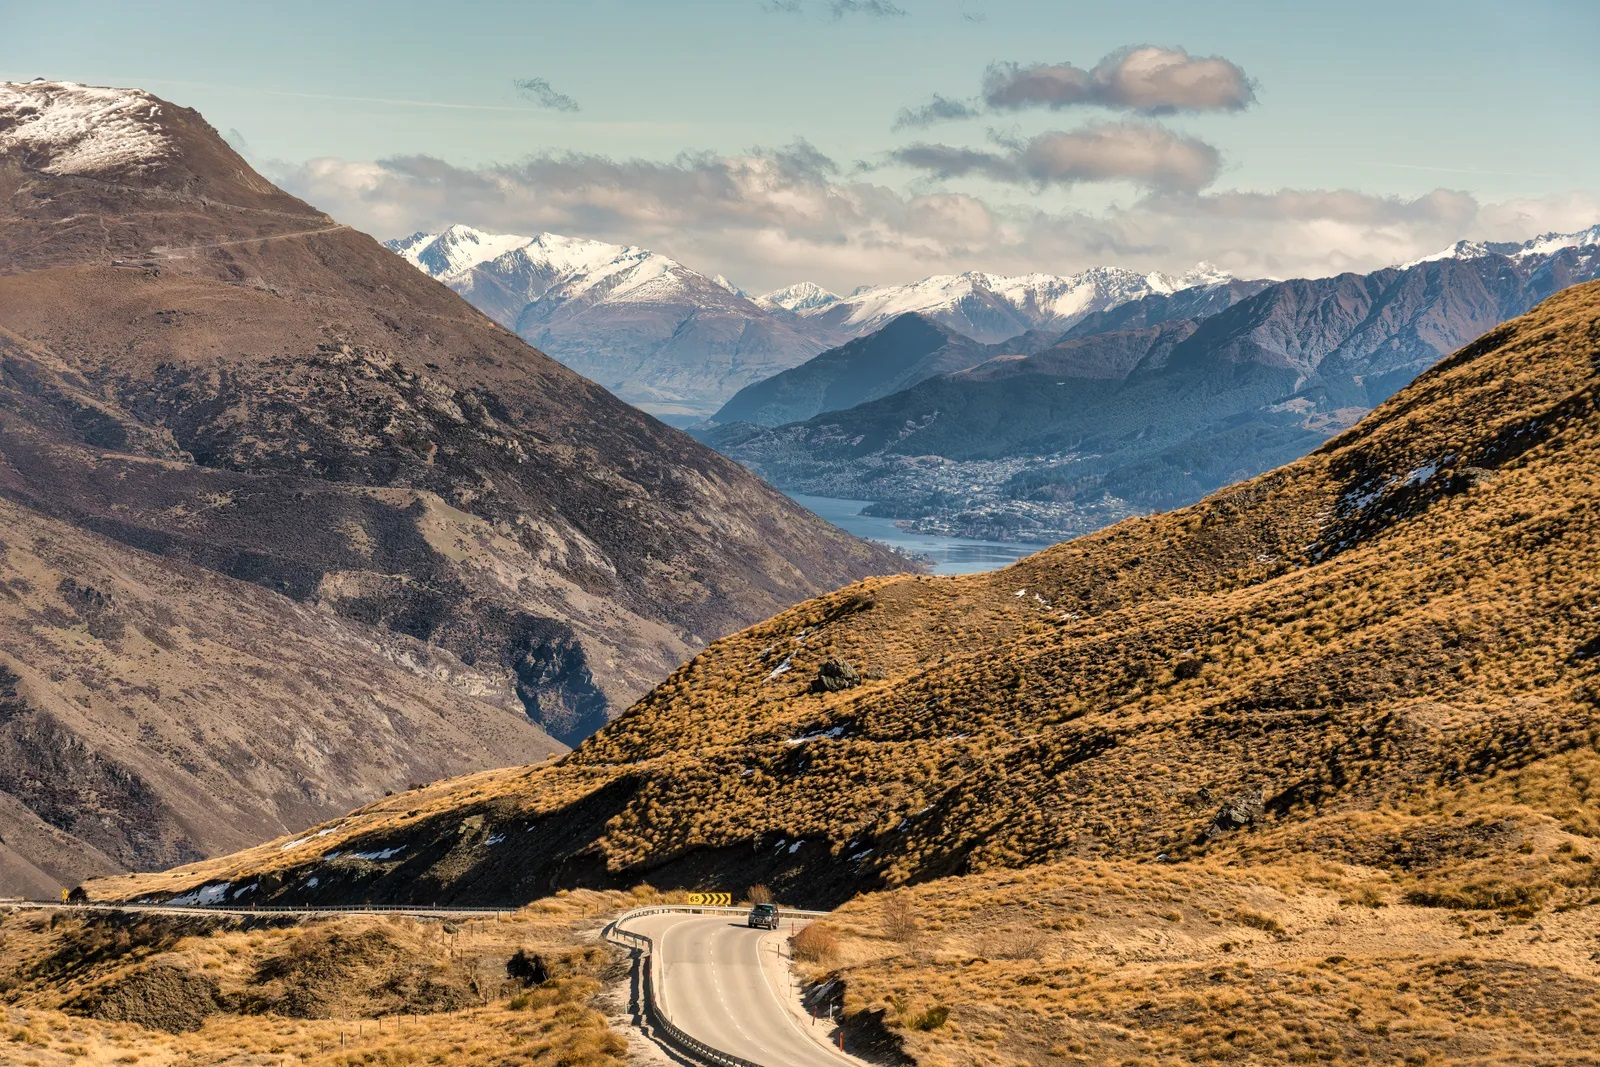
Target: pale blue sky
[{"x": 1496, "y": 100}]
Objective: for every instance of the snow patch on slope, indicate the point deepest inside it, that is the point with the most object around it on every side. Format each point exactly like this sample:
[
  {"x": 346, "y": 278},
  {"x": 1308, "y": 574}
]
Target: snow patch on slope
[
  {"x": 204, "y": 897},
  {"x": 67, "y": 128}
]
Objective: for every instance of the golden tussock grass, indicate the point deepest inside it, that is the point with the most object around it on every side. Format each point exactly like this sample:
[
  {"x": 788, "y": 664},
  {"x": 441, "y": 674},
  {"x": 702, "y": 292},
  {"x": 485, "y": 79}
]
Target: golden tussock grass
[
  {"x": 1107, "y": 961},
  {"x": 340, "y": 993}
]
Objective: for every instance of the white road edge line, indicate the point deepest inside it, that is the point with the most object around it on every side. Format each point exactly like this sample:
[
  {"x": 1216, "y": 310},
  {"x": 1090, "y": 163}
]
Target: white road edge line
[{"x": 783, "y": 1008}]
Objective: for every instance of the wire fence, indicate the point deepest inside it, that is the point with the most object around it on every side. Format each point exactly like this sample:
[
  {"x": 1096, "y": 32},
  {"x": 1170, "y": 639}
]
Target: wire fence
[{"x": 263, "y": 909}]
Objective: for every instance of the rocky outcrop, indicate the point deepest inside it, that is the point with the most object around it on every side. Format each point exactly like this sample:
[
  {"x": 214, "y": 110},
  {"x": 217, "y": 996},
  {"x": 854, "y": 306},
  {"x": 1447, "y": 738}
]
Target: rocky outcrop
[
  {"x": 1239, "y": 811},
  {"x": 835, "y": 675}
]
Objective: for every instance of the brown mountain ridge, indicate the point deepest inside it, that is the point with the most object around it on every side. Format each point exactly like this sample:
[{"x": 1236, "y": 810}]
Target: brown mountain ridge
[{"x": 207, "y": 385}]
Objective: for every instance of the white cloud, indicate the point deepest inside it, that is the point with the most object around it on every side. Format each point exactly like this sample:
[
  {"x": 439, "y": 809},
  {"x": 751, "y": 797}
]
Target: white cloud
[
  {"x": 771, "y": 217},
  {"x": 836, "y": 9},
  {"x": 1145, "y": 78},
  {"x": 1147, "y": 156}
]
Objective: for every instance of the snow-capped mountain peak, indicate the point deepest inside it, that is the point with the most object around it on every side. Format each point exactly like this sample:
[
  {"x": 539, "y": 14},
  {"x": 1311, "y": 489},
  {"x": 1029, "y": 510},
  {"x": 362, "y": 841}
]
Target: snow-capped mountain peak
[
  {"x": 802, "y": 296},
  {"x": 1543, "y": 245},
  {"x": 636, "y": 321},
  {"x": 67, "y": 128},
  {"x": 1459, "y": 250},
  {"x": 1550, "y": 243},
  {"x": 993, "y": 307},
  {"x": 456, "y": 250},
  {"x": 459, "y": 249},
  {"x": 1204, "y": 273}
]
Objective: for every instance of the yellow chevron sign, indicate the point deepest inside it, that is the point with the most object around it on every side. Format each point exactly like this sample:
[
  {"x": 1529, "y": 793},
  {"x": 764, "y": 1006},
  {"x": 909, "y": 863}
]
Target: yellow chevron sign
[{"x": 710, "y": 900}]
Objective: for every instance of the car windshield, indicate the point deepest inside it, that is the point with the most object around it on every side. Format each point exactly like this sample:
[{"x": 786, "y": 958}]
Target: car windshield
[{"x": 766, "y": 907}]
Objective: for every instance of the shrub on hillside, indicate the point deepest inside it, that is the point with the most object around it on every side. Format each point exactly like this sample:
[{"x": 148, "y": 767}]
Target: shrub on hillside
[
  {"x": 816, "y": 943},
  {"x": 899, "y": 919}
]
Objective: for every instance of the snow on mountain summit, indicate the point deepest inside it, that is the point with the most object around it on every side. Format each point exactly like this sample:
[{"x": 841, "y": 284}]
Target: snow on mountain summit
[
  {"x": 455, "y": 250},
  {"x": 993, "y": 307},
  {"x": 67, "y": 128},
  {"x": 1543, "y": 245},
  {"x": 461, "y": 256},
  {"x": 458, "y": 249},
  {"x": 802, "y": 296},
  {"x": 637, "y": 322},
  {"x": 1202, "y": 273}
]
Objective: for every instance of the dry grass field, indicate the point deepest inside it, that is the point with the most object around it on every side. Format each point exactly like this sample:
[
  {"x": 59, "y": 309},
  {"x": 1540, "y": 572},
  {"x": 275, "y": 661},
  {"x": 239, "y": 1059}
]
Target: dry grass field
[
  {"x": 1479, "y": 943},
  {"x": 156, "y": 990}
]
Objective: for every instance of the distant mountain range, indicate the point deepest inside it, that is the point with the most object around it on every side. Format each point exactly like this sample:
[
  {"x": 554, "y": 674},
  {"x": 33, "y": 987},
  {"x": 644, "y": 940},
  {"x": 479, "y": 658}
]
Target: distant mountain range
[
  {"x": 654, "y": 332},
  {"x": 918, "y": 345},
  {"x": 1150, "y": 404},
  {"x": 988, "y": 308},
  {"x": 679, "y": 343}
]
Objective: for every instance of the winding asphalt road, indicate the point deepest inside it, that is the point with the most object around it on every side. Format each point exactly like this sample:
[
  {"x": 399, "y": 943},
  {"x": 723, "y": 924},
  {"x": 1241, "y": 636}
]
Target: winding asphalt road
[
  {"x": 720, "y": 981},
  {"x": 728, "y": 986}
]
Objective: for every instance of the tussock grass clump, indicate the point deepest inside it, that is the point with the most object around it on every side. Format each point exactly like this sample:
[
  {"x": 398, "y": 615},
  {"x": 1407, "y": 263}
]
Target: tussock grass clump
[
  {"x": 816, "y": 943},
  {"x": 1258, "y": 921}
]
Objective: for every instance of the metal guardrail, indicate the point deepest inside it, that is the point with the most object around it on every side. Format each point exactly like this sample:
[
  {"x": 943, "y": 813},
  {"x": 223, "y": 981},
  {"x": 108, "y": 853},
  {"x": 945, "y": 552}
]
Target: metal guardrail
[{"x": 644, "y": 949}]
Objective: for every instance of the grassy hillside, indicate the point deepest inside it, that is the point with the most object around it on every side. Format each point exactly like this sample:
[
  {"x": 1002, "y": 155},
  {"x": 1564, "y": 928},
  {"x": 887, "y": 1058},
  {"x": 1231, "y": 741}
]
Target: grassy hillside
[
  {"x": 1286, "y": 959},
  {"x": 155, "y": 990},
  {"x": 1409, "y": 610}
]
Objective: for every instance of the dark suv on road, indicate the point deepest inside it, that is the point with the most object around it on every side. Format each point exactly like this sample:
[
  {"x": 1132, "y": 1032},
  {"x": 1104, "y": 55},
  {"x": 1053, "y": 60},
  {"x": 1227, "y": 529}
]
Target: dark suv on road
[{"x": 763, "y": 916}]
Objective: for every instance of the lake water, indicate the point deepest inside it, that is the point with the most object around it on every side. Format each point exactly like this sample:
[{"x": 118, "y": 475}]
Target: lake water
[{"x": 951, "y": 555}]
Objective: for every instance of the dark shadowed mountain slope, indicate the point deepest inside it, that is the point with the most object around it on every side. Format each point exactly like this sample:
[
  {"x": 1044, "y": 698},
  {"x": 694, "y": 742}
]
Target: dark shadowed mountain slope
[
  {"x": 1334, "y": 655},
  {"x": 1159, "y": 411},
  {"x": 918, "y": 345},
  {"x": 153, "y": 712},
  {"x": 196, "y": 366},
  {"x": 912, "y": 348}
]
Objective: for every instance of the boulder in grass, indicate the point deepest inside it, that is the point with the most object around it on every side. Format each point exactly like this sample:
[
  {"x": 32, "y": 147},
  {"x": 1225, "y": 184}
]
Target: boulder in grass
[{"x": 834, "y": 675}]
